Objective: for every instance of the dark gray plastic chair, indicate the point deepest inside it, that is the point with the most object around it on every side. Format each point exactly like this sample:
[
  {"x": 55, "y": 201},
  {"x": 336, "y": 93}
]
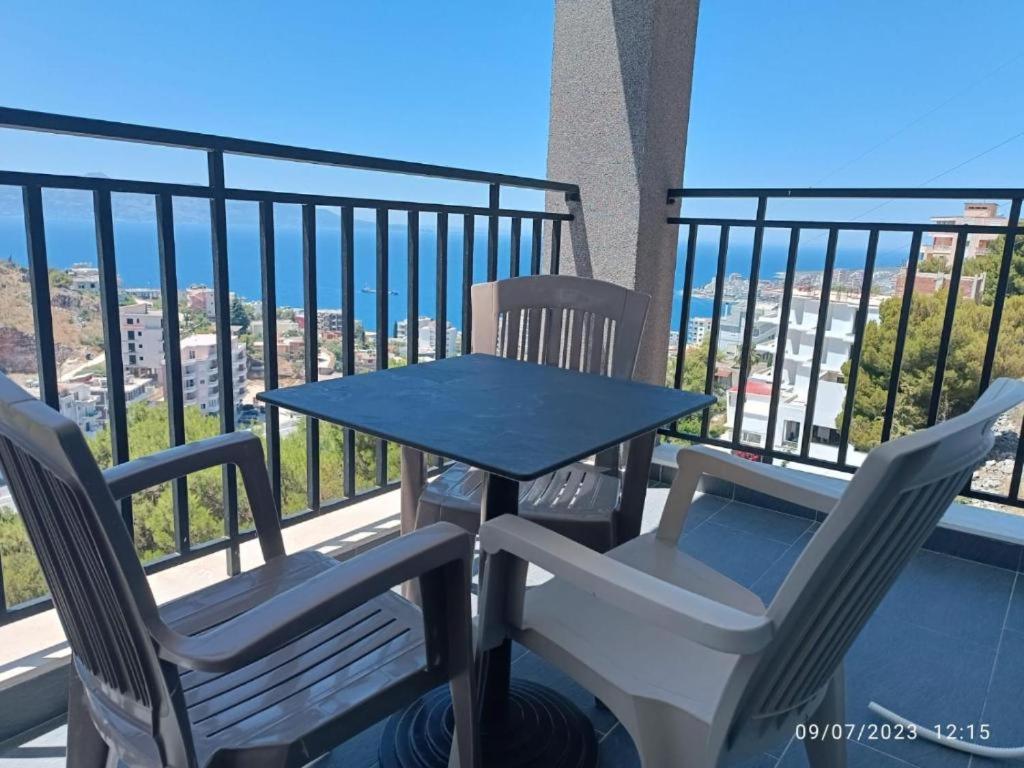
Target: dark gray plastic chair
[
  {"x": 699, "y": 672},
  {"x": 273, "y": 667},
  {"x": 575, "y": 323}
]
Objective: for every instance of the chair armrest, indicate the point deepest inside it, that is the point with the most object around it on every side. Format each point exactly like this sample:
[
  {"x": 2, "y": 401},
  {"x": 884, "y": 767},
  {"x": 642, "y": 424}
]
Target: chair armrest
[
  {"x": 705, "y": 621},
  {"x": 243, "y": 449},
  {"x": 697, "y": 461},
  {"x": 312, "y": 604}
]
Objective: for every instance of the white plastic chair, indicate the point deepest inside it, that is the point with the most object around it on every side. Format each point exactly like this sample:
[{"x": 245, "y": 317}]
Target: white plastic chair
[{"x": 697, "y": 670}]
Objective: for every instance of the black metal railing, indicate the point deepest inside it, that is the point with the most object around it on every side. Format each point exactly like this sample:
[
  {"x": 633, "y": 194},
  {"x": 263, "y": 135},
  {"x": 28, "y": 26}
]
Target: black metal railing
[
  {"x": 218, "y": 193},
  {"x": 768, "y": 443}
]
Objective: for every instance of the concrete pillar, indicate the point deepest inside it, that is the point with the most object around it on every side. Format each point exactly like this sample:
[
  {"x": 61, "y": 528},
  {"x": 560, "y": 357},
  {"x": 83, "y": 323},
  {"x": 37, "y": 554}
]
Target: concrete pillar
[{"x": 620, "y": 102}]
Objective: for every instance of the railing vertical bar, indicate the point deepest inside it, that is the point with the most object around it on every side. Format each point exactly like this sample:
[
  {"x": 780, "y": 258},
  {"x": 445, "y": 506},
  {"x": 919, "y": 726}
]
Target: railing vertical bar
[
  {"x": 1018, "y": 464},
  {"x": 494, "y": 198},
  {"x": 412, "y": 330},
  {"x": 468, "y": 230},
  {"x": 1013, "y": 222},
  {"x": 268, "y": 267},
  {"x": 348, "y": 340},
  {"x": 901, "y": 333},
  {"x": 515, "y": 245},
  {"x": 39, "y": 284},
  {"x": 441, "y": 325},
  {"x": 222, "y": 310},
  {"x": 535, "y": 246},
  {"x": 441, "y": 320},
  {"x": 110, "y": 311},
  {"x": 684, "y": 310},
  {"x": 311, "y": 349},
  {"x": 172, "y": 357},
  {"x": 947, "y": 327},
  {"x": 716, "y": 322},
  {"x": 748, "y": 327},
  {"x": 382, "y": 326},
  {"x": 819, "y": 339},
  {"x": 780, "y": 344},
  {"x": 858, "y": 344},
  {"x": 556, "y": 246}
]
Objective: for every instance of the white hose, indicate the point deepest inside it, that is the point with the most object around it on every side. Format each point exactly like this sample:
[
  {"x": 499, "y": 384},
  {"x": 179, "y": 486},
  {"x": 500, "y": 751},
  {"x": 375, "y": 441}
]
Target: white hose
[{"x": 930, "y": 734}]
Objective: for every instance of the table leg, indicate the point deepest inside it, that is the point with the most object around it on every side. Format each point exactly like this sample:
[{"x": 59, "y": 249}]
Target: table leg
[
  {"x": 523, "y": 724},
  {"x": 501, "y": 497},
  {"x": 414, "y": 478}
]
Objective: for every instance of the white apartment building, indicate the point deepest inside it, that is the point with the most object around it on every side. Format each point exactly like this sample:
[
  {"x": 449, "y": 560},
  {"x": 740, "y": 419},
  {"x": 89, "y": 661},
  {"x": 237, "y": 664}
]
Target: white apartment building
[
  {"x": 83, "y": 277},
  {"x": 201, "y": 376},
  {"x": 697, "y": 329},
  {"x": 733, "y": 322},
  {"x": 804, "y": 319},
  {"x": 142, "y": 339},
  {"x": 85, "y": 401},
  {"x": 427, "y": 346},
  {"x": 78, "y": 404},
  {"x": 943, "y": 244}
]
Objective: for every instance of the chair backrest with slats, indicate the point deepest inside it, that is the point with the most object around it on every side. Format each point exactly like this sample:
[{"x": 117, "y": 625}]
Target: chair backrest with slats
[
  {"x": 572, "y": 322},
  {"x": 892, "y": 504},
  {"x": 86, "y": 555}
]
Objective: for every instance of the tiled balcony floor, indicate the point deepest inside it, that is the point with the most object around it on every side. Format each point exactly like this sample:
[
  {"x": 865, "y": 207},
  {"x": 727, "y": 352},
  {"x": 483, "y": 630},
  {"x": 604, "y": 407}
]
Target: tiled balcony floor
[{"x": 946, "y": 646}]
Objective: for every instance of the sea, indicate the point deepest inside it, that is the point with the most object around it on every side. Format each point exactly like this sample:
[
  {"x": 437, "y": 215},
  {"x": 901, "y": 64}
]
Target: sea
[{"x": 72, "y": 241}]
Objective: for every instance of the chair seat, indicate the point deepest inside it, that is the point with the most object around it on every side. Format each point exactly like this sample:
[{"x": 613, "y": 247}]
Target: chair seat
[
  {"x": 578, "y": 501},
  {"x": 282, "y": 706},
  {"x": 601, "y": 646}
]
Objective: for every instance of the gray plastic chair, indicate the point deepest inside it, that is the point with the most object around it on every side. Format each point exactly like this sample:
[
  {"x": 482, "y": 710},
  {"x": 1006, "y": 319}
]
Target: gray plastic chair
[
  {"x": 273, "y": 667},
  {"x": 698, "y": 671},
  {"x": 580, "y": 324}
]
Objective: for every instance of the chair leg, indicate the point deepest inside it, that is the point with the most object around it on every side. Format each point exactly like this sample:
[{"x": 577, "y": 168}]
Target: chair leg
[
  {"x": 86, "y": 748},
  {"x": 465, "y": 741},
  {"x": 829, "y": 753}
]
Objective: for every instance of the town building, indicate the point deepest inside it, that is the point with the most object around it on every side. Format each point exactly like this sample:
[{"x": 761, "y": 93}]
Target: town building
[
  {"x": 972, "y": 287},
  {"x": 142, "y": 339},
  {"x": 697, "y": 329},
  {"x": 427, "y": 340},
  {"x": 201, "y": 374},
  {"x": 203, "y": 299},
  {"x": 943, "y": 244},
  {"x": 804, "y": 319},
  {"x": 83, "y": 277}
]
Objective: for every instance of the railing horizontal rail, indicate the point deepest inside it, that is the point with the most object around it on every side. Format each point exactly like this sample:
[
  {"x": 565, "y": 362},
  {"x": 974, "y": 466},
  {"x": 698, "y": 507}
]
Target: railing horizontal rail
[
  {"x": 867, "y": 226},
  {"x": 47, "y": 122},
  {"x": 919, "y": 193},
  {"x": 129, "y": 186}
]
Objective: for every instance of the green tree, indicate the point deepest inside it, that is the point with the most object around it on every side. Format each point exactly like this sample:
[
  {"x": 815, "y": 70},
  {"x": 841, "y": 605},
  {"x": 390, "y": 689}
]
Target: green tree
[
  {"x": 989, "y": 264},
  {"x": 240, "y": 314},
  {"x": 695, "y": 366},
  {"x": 933, "y": 265},
  {"x": 966, "y": 354}
]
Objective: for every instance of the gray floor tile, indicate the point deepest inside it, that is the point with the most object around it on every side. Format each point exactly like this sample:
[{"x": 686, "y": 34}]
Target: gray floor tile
[
  {"x": 921, "y": 674},
  {"x": 957, "y": 597},
  {"x": 769, "y": 582},
  {"x": 616, "y": 750},
  {"x": 857, "y": 755},
  {"x": 762, "y": 522},
  {"x": 1015, "y": 617},
  {"x": 1004, "y": 708},
  {"x": 741, "y": 556}
]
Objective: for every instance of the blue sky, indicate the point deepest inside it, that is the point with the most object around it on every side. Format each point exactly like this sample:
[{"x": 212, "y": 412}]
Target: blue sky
[{"x": 785, "y": 94}]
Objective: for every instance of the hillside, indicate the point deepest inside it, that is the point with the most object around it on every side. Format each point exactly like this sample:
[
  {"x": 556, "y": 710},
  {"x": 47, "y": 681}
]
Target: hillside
[{"x": 77, "y": 328}]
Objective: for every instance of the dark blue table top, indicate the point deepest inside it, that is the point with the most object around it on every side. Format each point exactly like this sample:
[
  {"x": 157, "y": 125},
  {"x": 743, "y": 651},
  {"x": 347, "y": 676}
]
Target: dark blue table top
[{"x": 519, "y": 420}]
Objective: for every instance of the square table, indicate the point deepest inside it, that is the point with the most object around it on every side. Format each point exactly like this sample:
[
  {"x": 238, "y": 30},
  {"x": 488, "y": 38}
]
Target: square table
[{"x": 516, "y": 421}]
